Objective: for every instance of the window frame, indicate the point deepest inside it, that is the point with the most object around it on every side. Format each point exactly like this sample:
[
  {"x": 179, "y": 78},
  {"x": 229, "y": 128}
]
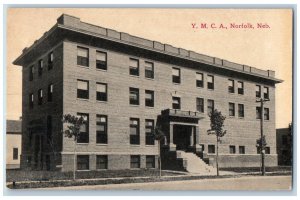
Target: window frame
[
  {"x": 101, "y": 165},
  {"x": 242, "y": 150},
  {"x": 86, "y": 140},
  {"x": 83, "y": 61},
  {"x": 101, "y": 96},
  {"x": 31, "y": 100},
  {"x": 174, "y": 105},
  {"x": 231, "y": 86},
  {"x": 211, "y": 85},
  {"x": 210, "y": 107},
  {"x": 199, "y": 106},
  {"x": 40, "y": 96},
  {"x": 266, "y": 114},
  {"x": 199, "y": 83},
  {"x": 241, "y": 112},
  {"x": 149, "y": 136},
  {"x": 240, "y": 89},
  {"x": 134, "y": 139},
  {"x": 31, "y": 72},
  {"x": 150, "y": 164},
  {"x": 101, "y": 136},
  {"x": 258, "y": 112},
  {"x": 83, "y": 94},
  {"x": 149, "y": 74},
  {"x": 232, "y": 149},
  {"x": 176, "y": 79},
  {"x": 266, "y": 94},
  {"x": 40, "y": 67},
  {"x": 149, "y": 102},
  {"x": 135, "y": 164},
  {"x": 134, "y": 71},
  {"x": 209, "y": 150},
  {"x": 50, "y": 60},
  {"x": 136, "y": 92},
  {"x": 80, "y": 158},
  {"x": 257, "y": 91},
  {"x": 50, "y": 92},
  {"x": 100, "y": 64},
  {"x": 231, "y": 107}
]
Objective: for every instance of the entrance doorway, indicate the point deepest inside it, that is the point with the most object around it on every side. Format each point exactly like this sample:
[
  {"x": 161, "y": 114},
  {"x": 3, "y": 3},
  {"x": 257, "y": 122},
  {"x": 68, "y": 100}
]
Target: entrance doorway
[{"x": 182, "y": 136}]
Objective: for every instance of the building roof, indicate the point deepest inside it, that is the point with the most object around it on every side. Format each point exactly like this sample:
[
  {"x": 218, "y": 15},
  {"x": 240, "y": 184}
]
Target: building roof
[
  {"x": 71, "y": 23},
  {"x": 13, "y": 126}
]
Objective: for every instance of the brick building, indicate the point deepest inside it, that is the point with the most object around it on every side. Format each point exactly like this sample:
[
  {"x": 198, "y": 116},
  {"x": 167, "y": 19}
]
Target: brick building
[{"x": 124, "y": 86}]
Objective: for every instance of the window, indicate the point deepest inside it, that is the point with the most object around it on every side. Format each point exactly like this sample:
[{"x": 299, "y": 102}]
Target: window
[
  {"x": 258, "y": 113},
  {"x": 150, "y": 161},
  {"x": 266, "y": 113},
  {"x": 149, "y": 98},
  {"x": 101, "y": 60},
  {"x": 101, "y": 162},
  {"x": 231, "y": 86},
  {"x": 40, "y": 96},
  {"x": 101, "y": 129},
  {"x": 266, "y": 93},
  {"x": 232, "y": 149},
  {"x": 175, "y": 75},
  {"x": 50, "y": 92},
  {"x": 82, "y": 89},
  {"x": 149, "y": 70},
  {"x": 40, "y": 68},
  {"x": 240, "y": 87},
  {"x": 200, "y": 104},
  {"x": 101, "y": 93},
  {"x": 241, "y": 110},
  {"x": 15, "y": 154},
  {"x": 210, "y": 106},
  {"x": 135, "y": 161},
  {"x": 83, "y": 162},
  {"x": 231, "y": 109},
  {"x": 211, "y": 148},
  {"x": 134, "y": 131},
  {"x": 82, "y": 56},
  {"x": 134, "y": 67},
  {"x": 84, "y": 129},
  {"x": 176, "y": 103},
  {"x": 31, "y": 100},
  {"x": 241, "y": 149},
  {"x": 50, "y": 60},
  {"x": 134, "y": 97},
  {"x": 199, "y": 79},
  {"x": 210, "y": 82},
  {"x": 258, "y": 91},
  {"x": 149, "y": 127},
  {"x": 49, "y": 129},
  {"x": 31, "y": 72},
  {"x": 267, "y": 150}
]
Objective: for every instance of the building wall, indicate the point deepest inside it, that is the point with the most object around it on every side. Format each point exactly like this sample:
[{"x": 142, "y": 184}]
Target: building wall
[
  {"x": 13, "y": 141},
  {"x": 240, "y": 132}
]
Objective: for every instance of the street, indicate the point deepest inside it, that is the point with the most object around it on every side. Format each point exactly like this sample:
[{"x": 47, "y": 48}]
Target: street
[{"x": 241, "y": 183}]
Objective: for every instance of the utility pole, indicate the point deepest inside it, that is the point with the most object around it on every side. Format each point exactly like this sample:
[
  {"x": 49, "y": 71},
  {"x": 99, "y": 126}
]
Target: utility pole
[{"x": 262, "y": 148}]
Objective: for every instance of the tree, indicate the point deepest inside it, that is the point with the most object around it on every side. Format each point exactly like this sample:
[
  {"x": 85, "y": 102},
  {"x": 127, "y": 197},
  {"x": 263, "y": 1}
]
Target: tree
[
  {"x": 73, "y": 131},
  {"x": 216, "y": 125},
  {"x": 159, "y": 135},
  {"x": 262, "y": 143}
]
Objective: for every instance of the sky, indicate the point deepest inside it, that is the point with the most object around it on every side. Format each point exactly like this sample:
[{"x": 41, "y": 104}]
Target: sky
[{"x": 264, "y": 48}]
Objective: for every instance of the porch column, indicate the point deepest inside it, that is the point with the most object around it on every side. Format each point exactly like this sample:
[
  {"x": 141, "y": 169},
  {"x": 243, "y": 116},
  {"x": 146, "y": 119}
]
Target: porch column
[
  {"x": 172, "y": 146},
  {"x": 192, "y": 137},
  {"x": 197, "y": 145}
]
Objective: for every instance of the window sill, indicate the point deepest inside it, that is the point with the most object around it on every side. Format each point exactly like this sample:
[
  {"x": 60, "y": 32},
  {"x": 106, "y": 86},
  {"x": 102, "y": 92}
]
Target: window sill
[
  {"x": 176, "y": 83},
  {"x": 149, "y": 107},
  {"x": 83, "y": 170},
  {"x": 82, "y": 143},
  {"x": 240, "y": 94},
  {"x": 210, "y": 89},
  {"x": 136, "y": 76},
  {"x": 81, "y": 99},
  {"x": 241, "y": 117},
  {"x": 133, "y": 105},
  {"x": 231, "y": 116},
  {"x": 84, "y": 67},
  {"x": 99, "y": 144},
  {"x": 101, "y": 169},
  {"x": 150, "y": 145},
  {"x": 101, "y": 101},
  {"x": 101, "y": 70},
  {"x": 150, "y": 79},
  {"x": 135, "y": 145},
  {"x": 231, "y": 93},
  {"x": 199, "y": 87}
]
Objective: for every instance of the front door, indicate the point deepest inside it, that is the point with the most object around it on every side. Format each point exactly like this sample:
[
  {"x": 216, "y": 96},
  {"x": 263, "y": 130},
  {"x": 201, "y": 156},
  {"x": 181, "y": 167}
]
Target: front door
[{"x": 181, "y": 136}]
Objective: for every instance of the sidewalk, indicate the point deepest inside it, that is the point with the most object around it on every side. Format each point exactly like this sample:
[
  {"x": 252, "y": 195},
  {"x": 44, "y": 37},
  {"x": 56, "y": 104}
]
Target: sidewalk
[{"x": 120, "y": 180}]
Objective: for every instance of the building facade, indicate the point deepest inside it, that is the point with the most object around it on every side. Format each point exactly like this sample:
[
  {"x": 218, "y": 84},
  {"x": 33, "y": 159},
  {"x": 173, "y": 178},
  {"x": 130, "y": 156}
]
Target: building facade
[
  {"x": 284, "y": 146},
  {"x": 124, "y": 87},
  {"x": 13, "y": 143}
]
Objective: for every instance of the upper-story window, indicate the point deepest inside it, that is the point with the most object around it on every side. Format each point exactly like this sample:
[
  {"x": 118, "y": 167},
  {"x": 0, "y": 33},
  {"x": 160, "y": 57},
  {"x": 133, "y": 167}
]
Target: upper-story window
[
  {"x": 31, "y": 72},
  {"x": 266, "y": 93},
  {"x": 266, "y": 114},
  {"x": 50, "y": 60},
  {"x": 231, "y": 109},
  {"x": 84, "y": 129},
  {"x": 230, "y": 86},
  {"x": 199, "y": 79},
  {"x": 232, "y": 149},
  {"x": 134, "y": 131},
  {"x": 149, "y": 70},
  {"x": 40, "y": 67},
  {"x": 149, "y": 127},
  {"x": 31, "y": 100},
  {"x": 101, "y": 93},
  {"x": 149, "y": 98},
  {"x": 82, "y": 56},
  {"x": 134, "y": 67},
  {"x": 101, "y": 129},
  {"x": 200, "y": 104},
  {"x": 40, "y": 96},
  {"x": 101, "y": 60},
  {"x": 50, "y": 92},
  {"x": 82, "y": 89},
  {"x": 175, "y": 75},
  {"x": 49, "y": 129},
  {"x": 258, "y": 91},
  {"x": 241, "y": 110},
  {"x": 210, "y": 82},
  {"x": 134, "y": 96},
  {"x": 176, "y": 103},
  {"x": 240, "y": 87},
  {"x": 258, "y": 112},
  {"x": 210, "y": 105}
]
